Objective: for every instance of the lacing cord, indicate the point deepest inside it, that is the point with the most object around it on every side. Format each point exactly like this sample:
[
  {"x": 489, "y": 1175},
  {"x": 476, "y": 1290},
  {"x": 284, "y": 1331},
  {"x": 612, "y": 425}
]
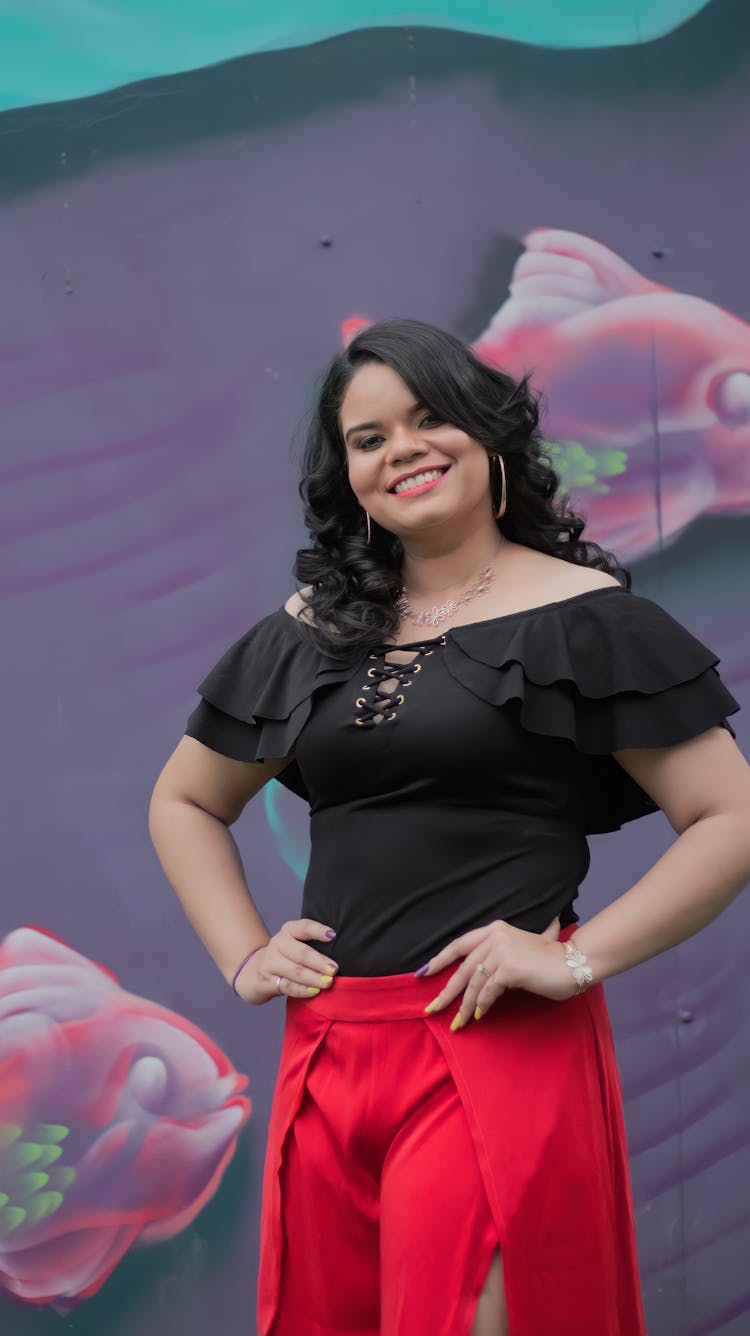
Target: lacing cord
[{"x": 370, "y": 707}]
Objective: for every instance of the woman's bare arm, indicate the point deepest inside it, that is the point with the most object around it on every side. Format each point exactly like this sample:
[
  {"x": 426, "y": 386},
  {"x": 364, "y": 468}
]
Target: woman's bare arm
[
  {"x": 703, "y": 788},
  {"x": 197, "y": 796}
]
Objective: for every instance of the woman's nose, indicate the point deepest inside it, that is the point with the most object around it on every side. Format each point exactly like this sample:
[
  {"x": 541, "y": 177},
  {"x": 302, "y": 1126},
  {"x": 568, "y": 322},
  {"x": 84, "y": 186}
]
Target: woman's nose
[{"x": 405, "y": 447}]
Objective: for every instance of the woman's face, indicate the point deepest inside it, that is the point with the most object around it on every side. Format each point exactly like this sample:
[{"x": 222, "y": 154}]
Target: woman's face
[{"x": 388, "y": 435}]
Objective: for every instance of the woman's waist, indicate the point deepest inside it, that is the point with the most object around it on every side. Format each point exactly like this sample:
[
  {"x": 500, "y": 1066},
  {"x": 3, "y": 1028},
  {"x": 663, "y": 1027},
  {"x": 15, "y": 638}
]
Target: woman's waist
[
  {"x": 429, "y": 856},
  {"x": 386, "y": 936},
  {"x": 387, "y": 996}
]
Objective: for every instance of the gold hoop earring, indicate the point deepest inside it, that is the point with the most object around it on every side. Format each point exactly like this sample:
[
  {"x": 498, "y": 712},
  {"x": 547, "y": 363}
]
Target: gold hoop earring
[{"x": 495, "y": 458}]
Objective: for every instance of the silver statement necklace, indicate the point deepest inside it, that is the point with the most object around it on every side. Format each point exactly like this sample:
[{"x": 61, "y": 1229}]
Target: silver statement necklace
[{"x": 437, "y": 614}]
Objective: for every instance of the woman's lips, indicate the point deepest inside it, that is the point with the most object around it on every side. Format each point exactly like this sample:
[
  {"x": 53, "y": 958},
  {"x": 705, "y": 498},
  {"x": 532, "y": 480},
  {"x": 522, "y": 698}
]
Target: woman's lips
[{"x": 425, "y": 487}]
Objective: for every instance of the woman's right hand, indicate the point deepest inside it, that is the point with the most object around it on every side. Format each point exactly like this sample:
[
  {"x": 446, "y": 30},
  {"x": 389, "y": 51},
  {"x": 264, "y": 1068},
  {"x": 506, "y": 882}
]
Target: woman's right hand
[{"x": 303, "y": 970}]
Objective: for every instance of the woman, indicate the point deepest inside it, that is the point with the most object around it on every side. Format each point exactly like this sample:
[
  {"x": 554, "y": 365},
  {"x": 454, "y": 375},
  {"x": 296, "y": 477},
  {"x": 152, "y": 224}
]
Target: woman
[{"x": 446, "y": 1153}]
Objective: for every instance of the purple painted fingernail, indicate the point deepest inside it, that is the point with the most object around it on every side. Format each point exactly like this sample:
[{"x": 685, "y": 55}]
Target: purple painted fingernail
[
  {"x": 330, "y": 933},
  {"x": 422, "y": 970}
]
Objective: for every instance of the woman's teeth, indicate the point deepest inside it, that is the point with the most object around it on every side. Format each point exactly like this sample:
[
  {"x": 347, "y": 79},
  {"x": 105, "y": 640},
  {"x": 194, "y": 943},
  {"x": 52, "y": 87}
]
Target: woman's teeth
[{"x": 418, "y": 480}]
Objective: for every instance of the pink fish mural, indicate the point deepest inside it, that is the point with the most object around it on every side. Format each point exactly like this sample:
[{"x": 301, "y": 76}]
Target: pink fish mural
[
  {"x": 625, "y": 363},
  {"x": 118, "y": 1119}
]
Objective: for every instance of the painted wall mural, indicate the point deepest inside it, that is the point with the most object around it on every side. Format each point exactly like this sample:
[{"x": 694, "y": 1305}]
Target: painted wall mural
[
  {"x": 118, "y": 1119},
  {"x": 565, "y": 188},
  {"x": 118, "y": 41},
  {"x": 616, "y": 353}
]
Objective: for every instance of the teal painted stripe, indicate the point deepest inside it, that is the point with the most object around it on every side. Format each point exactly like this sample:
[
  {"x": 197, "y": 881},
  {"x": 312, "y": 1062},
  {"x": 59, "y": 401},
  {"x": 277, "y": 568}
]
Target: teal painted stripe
[{"x": 54, "y": 50}]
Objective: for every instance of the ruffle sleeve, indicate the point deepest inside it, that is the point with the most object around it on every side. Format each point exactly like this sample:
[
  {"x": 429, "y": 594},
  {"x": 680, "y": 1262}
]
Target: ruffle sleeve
[
  {"x": 604, "y": 670},
  {"x": 257, "y": 698}
]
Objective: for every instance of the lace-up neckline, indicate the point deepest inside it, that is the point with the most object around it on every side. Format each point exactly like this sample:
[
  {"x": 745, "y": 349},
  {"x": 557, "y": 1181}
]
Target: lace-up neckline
[{"x": 379, "y": 707}]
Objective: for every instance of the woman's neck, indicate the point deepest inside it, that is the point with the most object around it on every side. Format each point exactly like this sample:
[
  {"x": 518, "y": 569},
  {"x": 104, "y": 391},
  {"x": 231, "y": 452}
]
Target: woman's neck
[{"x": 429, "y": 575}]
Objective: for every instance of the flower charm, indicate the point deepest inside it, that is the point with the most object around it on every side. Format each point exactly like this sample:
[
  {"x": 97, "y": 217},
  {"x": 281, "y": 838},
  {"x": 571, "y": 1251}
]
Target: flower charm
[{"x": 577, "y": 962}]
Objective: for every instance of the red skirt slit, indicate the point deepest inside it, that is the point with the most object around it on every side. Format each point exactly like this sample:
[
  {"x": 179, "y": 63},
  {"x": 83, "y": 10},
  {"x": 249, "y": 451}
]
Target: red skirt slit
[{"x": 401, "y": 1155}]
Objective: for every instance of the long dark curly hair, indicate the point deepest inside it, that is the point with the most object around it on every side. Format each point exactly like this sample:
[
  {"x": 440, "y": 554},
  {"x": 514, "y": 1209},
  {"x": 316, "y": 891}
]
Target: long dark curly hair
[{"x": 355, "y": 583}]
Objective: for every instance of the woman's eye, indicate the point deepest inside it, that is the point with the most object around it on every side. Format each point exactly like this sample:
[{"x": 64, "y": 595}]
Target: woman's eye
[{"x": 367, "y": 441}]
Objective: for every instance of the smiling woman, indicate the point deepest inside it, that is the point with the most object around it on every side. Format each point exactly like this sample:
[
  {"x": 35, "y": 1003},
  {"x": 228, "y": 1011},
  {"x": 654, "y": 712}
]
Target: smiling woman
[
  {"x": 405, "y": 433},
  {"x": 403, "y": 400},
  {"x": 386, "y": 385},
  {"x": 448, "y": 1083}
]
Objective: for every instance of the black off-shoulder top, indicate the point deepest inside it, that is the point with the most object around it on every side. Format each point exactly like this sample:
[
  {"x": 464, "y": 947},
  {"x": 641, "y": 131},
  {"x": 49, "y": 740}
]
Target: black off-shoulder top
[{"x": 460, "y": 787}]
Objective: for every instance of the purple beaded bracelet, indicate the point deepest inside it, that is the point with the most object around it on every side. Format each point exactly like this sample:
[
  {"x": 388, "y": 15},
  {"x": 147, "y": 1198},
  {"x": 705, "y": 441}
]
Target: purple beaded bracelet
[{"x": 243, "y": 963}]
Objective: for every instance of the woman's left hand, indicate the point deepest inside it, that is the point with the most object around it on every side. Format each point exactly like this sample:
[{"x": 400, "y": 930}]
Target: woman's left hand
[{"x": 510, "y": 958}]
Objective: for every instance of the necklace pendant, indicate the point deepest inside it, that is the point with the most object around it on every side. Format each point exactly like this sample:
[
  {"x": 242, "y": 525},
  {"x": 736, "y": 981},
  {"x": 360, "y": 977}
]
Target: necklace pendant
[
  {"x": 437, "y": 614},
  {"x": 434, "y": 616}
]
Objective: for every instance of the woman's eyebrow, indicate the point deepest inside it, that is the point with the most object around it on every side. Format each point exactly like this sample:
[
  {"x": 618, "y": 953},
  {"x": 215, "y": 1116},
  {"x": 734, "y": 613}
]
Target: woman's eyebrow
[{"x": 368, "y": 426}]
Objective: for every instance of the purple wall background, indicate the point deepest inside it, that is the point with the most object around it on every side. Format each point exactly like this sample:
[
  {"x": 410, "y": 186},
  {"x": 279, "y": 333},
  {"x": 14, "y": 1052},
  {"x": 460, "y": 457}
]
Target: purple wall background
[{"x": 167, "y": 304}]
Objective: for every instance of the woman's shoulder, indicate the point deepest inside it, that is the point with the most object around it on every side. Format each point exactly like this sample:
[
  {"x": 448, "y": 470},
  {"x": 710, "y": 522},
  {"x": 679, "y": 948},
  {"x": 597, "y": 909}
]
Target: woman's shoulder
[
  {"x": 535, "y": 571},
  {"x": 265, "y": 673},
  {"x": 586, "y": 578},
  {"x": 297, "y": 605},
  {"x": 272, "y": 650}
]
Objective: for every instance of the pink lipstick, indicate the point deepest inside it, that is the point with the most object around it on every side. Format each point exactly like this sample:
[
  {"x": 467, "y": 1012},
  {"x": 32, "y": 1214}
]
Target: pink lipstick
[{"x": 424, "y": 487}]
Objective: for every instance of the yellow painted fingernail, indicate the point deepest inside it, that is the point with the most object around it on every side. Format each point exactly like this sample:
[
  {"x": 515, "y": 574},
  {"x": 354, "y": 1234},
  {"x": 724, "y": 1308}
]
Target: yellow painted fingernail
[
  {"x": 478, "y": 1014},
  {"x": 313, "y": 992},
  {"x": 325, "y": 981},
  {"x": 456, "y": 1022},
  {"x": 331, "y": 969},
  {"x": 431, "y": 1006}
]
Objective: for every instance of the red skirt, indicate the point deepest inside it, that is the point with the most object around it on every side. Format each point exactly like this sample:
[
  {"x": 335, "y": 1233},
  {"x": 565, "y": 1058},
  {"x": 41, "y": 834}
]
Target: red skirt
[{"x": 401, "y": 1156}]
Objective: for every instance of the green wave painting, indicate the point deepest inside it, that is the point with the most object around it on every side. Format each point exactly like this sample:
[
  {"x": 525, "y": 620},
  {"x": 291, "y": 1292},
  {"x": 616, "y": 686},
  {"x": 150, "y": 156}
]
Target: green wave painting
[{"x": 53, "y": 50}]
